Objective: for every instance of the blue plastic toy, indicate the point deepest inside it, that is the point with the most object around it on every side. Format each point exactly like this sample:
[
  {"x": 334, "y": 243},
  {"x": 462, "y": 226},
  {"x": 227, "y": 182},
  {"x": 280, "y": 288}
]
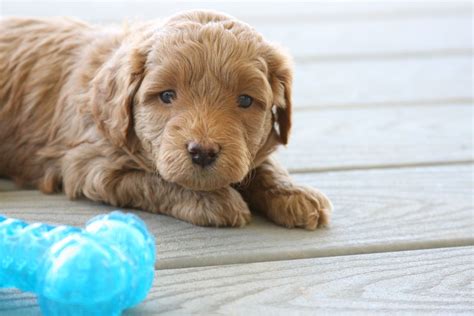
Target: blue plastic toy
[{"x": 100, "y": 270}]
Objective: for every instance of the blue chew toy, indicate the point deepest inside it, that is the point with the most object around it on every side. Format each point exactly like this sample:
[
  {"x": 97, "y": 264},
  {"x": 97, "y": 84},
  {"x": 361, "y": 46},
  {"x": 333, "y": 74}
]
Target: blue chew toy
[{"x": 100, "y": 270}]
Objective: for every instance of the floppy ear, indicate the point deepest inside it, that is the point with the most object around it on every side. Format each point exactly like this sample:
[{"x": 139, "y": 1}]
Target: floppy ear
[
  {"x": 114, "y": 88},
  {"x": 281, "y": 78}
]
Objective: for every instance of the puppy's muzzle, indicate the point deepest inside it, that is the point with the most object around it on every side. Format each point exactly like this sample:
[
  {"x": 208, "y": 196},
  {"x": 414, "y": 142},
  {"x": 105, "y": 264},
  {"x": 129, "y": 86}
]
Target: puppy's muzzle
[{"x": 203, "y": 155}]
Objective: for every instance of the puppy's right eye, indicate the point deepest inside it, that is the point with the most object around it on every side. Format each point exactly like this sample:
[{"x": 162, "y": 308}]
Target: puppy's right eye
[
  {"x": 167, "y": 96},
  {"x": 245, "y": 101}
]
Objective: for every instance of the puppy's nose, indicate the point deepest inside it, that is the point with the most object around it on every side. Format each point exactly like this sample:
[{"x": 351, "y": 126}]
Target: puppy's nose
[{"x": 203, "y": 155}]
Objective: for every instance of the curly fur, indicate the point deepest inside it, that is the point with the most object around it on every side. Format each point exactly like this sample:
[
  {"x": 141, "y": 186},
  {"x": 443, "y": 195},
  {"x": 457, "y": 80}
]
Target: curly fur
[{"x": 80, "y": 112}]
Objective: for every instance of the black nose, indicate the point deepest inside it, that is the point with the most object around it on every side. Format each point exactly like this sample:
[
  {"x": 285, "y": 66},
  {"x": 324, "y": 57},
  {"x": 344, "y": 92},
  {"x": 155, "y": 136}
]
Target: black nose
[{"x": 203, "y": 155}]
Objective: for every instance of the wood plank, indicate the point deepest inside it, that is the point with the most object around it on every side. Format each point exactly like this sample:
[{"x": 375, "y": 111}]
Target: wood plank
[
  {"x": 315, "y": 40},
  {"x": 381, "y": 136},
  {"x": 375, "y": 211},
  {"x": 383, "y": 82},
  {"x": 435, "y": 281},
  {"x": 253, "y": 12},
  {"x": 16, "y": 303}
]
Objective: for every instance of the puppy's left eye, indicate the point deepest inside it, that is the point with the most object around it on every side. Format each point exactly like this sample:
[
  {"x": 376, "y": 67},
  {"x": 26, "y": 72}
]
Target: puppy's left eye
[
  {"x": 245, "y": 101},
  {"x": 167, "y": 96}
]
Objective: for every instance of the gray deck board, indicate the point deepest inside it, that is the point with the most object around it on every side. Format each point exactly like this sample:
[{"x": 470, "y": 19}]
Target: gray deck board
[
  {"x": 253, "y": 12},
  {"x": 386, "y": 81},
  {"x": 436, "y": 282},
  {"x": 326, "y": 41},
  {"x": 368, "y": 137},
  {"x": 376, "y": 210}
]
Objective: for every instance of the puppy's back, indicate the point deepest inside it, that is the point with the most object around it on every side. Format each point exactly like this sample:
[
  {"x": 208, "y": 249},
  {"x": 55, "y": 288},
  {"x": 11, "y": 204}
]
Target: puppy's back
[{"x": 36, "y": 56}]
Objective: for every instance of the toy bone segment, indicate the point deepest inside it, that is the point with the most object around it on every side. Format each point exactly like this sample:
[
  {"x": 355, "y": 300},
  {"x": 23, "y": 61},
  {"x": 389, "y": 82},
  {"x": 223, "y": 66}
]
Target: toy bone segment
[{"x": 100, "y": 270}]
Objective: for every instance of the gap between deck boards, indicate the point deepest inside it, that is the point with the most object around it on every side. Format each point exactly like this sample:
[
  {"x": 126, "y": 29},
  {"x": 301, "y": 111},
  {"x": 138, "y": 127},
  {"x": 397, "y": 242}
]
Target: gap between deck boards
[
  {"x": 238, "y": 259},
  {"x": 383, "y": 56},
  {"x": 372, "y": 16},
  {"x": 381, "y": 166},
  {"x": 387, "y": 104}
]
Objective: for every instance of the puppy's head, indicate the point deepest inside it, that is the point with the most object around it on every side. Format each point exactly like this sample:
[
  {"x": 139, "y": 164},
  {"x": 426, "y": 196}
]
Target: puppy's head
[{"x": 207, "y": 98}]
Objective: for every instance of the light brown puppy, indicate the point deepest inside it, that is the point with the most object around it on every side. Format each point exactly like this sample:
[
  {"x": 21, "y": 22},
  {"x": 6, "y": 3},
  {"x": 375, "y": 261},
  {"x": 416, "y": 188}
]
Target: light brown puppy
[{"x": 176, "y": 117}]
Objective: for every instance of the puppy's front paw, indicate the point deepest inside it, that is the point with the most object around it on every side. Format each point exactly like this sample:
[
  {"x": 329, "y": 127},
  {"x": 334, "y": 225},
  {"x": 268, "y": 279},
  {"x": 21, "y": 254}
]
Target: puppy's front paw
[
  {"x": 224, "y": 207},
  {"x": 299, "y": 206}
]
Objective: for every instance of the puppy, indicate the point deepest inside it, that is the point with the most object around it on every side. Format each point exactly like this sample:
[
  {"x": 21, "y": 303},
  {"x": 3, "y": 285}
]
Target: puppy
[{"x": 176, "y": 117}]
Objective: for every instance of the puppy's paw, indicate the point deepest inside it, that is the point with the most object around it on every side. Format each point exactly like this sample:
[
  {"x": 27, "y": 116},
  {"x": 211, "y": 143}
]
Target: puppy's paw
[
  {"x": 224, "y": 207},
  {"x": 299, "y": 206}
]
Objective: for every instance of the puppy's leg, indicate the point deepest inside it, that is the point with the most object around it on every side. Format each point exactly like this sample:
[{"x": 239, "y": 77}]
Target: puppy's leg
[
  {"x": 272, "y": 192},
  {"x": 98, "y": 180}
]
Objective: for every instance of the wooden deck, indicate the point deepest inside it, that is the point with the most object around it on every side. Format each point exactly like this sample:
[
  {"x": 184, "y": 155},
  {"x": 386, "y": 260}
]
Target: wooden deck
[{"x": 383, "y": 124}]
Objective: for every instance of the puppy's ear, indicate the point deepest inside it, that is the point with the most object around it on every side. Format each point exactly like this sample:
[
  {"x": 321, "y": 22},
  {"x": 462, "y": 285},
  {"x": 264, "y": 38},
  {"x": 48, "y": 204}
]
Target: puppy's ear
[
  {"x": 114, "y": 88},
  {"x": 281, "y": 78}
]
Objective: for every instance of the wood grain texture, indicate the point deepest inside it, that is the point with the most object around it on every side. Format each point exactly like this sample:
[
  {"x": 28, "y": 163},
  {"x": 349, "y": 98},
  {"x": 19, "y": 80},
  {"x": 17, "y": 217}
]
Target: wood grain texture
[
  {"x": 16, "y": 303},
  {"x": 437, "y": 281},
  {"x": 375, "y": 211},
  {"x": 360, "y": 138},
  {"x": 383, "y": 82}
]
